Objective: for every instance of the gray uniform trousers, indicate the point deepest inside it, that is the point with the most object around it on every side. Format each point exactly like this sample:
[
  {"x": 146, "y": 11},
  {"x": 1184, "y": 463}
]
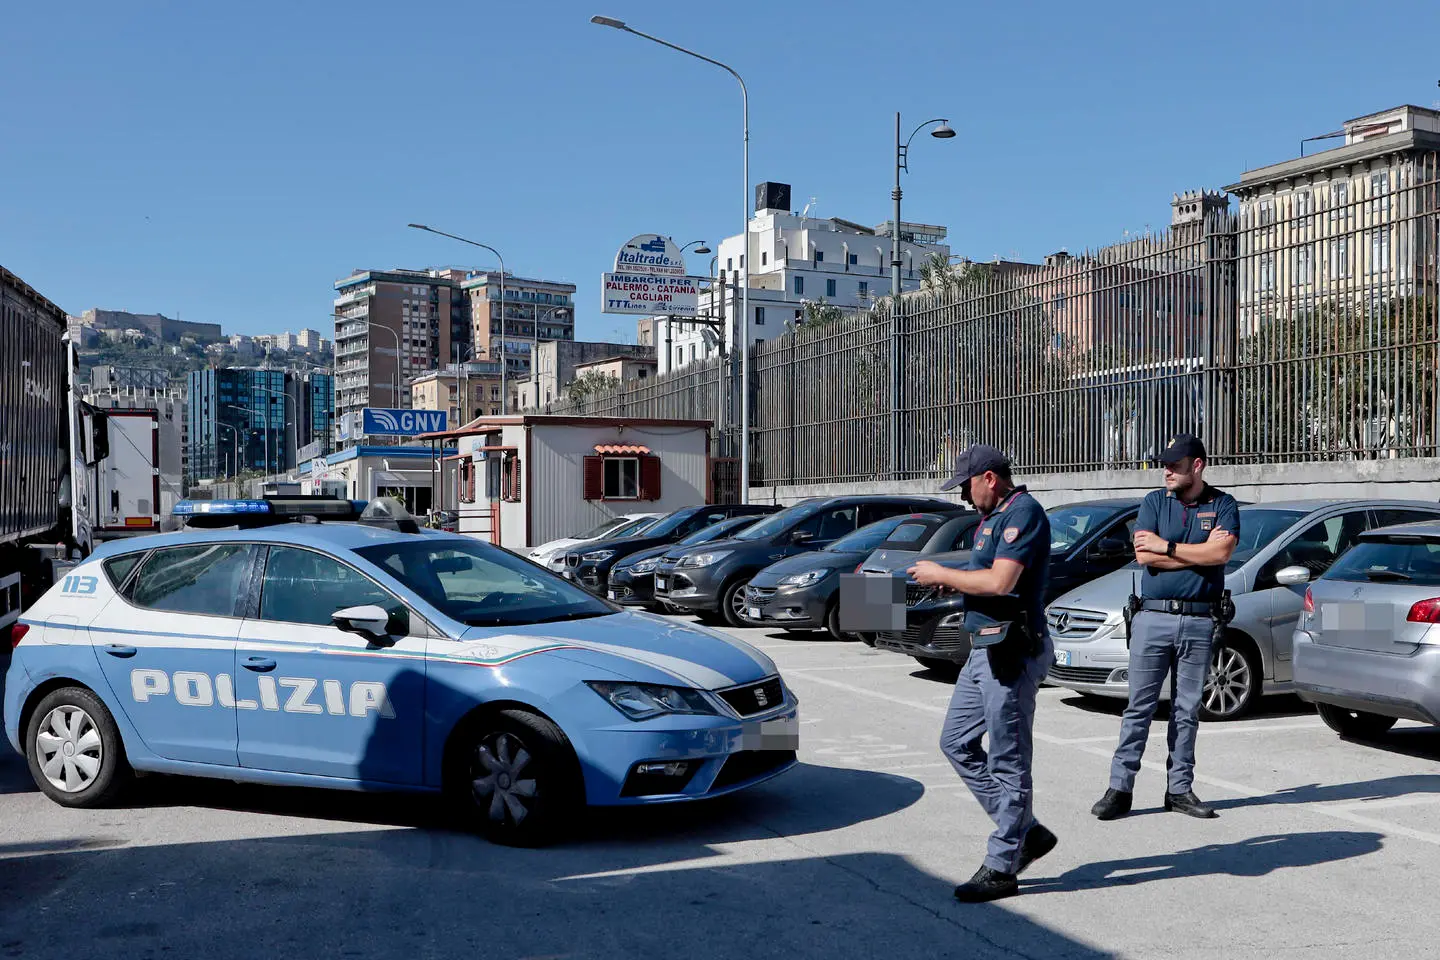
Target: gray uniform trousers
[
  {"x": 1001, "y": 780},
  {"x": 1159, "y": 644}
]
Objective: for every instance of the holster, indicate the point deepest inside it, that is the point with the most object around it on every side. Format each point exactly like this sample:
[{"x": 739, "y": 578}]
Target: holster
[
  {"x": 1132, "y": 607},
  {"x": 1008, "y": 644}
]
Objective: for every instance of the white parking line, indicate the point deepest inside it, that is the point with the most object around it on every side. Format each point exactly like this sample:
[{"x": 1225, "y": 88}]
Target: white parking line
[
  {"x": 855, "y": 666},
  {"x": 1158, "y": 731},
  {"x": 1409, "y": 800},
  {"x": 1337, "y": 813}
]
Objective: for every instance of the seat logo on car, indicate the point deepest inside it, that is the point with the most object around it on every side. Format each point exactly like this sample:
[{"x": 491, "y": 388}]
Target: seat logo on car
[
  {"x": 194, "y": 689},
  {"x": 761, "y": 699}
]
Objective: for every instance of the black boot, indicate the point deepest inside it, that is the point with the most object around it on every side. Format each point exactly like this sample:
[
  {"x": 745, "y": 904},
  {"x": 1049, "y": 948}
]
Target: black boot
[
  {"x": 1190, "y": 805},
  {"x": 987, "y": 885},
  {"x": 1112, "y": 806},
  {"x": 1038, "y": 842}
]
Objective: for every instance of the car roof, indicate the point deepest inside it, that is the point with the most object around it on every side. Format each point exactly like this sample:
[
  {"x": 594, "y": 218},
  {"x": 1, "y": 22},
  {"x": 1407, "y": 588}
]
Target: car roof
[
  {"x": 1118, "y": 503},
  {"x": 1321, "y": 503},
  {"x": 1420, "y": 528},
  {"x": 331, "y": 536}
]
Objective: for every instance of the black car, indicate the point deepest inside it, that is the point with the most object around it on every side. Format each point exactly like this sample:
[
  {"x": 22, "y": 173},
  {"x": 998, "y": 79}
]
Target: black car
[
  {"x": 710, "y": 580},
  {"x": 802, "y": 592},
  {"x": 590, "y": 565},
  {"x": 632, "y": 580},
  {"x": 1087, "y": 540}
]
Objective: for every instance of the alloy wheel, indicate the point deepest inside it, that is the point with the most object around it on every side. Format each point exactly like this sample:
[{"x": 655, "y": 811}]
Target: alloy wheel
[{"x": 1227, "y": 685}]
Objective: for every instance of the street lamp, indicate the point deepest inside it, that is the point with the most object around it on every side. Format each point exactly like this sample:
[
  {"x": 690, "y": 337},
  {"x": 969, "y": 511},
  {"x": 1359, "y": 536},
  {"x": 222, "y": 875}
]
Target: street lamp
[
  {"x": 504, "y": 362},
  {"x": 744, "y": 256},
  {"x": 235, "y": 464},
  {"x": 264, "y": 433},
  {"x": 942, "y": 131}
]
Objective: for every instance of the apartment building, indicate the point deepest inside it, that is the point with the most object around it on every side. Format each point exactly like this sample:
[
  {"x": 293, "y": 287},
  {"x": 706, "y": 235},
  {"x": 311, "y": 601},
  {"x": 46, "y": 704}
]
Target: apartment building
[
  {"x": 557, "y": 365},
  {"x": 465, "y": 392},
  {"x": 534, "y": 311}
]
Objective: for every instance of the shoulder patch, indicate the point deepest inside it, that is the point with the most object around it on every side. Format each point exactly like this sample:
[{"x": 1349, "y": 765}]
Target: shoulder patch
[{"x": 1011, "y": 533}]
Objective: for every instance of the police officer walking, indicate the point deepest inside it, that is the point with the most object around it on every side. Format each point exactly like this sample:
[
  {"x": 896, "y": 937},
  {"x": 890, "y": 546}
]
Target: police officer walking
[
  {"x": 1184, "y": 536},
  {"x": 1004, "y": 588}
]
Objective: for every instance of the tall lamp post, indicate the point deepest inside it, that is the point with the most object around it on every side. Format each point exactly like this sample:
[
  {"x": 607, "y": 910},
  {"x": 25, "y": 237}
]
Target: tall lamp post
[
  {"x": 504, "y": 361},
  {"x": 235, "y": 464},
  {"x": 902, "y": 157},
  {"x": 744, "y": 256},
  {"x": 264, "y": 433}
]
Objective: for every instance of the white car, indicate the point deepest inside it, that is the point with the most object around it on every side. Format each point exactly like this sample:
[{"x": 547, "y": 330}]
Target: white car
[{"x": 547, "y": 553}]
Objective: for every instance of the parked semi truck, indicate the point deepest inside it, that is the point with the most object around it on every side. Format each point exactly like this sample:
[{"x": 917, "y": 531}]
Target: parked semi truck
[{"x": 70, "y": 473}]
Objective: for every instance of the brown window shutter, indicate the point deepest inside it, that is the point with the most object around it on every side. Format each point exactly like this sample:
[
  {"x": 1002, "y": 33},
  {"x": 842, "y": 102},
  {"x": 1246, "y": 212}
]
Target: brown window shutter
[
  {"x": 649, "y": 478},
  {"x": 594, "y": 472},
  {"x": 515, "y": 480}
]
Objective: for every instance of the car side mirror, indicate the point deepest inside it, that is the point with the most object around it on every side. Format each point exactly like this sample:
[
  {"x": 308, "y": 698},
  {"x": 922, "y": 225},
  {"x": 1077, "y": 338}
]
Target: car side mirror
[
  {"x": 373, "y": 622},
  {"x": 1107, "y": 548},
  {"x": 802, "y": 536},
  {"x": 1292, "y": 576}
]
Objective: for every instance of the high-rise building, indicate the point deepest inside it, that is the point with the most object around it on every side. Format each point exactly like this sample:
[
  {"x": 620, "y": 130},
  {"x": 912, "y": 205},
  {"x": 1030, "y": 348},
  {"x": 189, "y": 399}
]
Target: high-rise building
[
  {"x": 394, "y": 325},
  {"x": 312, "y": 394},
  {"x": 238, "y": 422},
  {"x": 535, "y": 311}
]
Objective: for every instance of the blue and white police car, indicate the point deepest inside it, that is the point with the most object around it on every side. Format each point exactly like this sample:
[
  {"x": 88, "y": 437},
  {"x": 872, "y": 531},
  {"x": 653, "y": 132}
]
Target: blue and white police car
[{"x": 376, "y": 655}]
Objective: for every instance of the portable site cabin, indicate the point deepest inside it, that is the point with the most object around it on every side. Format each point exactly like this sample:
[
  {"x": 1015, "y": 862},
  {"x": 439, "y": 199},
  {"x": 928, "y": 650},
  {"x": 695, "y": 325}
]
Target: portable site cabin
[{"x": 519, "y": 481}]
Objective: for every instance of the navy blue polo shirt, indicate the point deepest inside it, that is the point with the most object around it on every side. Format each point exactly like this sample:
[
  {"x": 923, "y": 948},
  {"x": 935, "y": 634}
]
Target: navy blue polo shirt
[
  {"x": 1017, "y": 529},
  {"x": 1165, "y": 514}
]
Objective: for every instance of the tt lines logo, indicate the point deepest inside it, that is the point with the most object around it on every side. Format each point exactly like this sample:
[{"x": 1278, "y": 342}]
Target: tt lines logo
[{"x": 192, "y": 689}]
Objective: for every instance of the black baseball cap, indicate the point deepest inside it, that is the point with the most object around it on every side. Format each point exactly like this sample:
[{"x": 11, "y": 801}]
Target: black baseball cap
[
  {"x": 1183, "y": 445},
  {"x": 974, "y": 461}
]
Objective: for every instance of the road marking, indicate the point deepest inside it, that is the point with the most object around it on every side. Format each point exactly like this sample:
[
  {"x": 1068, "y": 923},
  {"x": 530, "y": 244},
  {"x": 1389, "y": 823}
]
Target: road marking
[
  {"x": 1409, "y": 800},
  {"x": 1337, "y": 813},
  {"x": 1206, "y": 729},
  {"x": 856, "y": 666}
]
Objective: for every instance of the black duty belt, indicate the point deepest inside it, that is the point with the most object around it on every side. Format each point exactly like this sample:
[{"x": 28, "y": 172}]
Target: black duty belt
[{"x": 1184, "y": 608}]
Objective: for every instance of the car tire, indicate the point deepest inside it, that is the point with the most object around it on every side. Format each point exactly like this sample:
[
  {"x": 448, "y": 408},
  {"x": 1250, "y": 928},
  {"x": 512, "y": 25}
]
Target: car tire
[
  {"x": 832, "y": 624},
  {"x": 732, "y": 600},
  {"x": 948, "y": 669},
  {"x": 867, "y": 638},
  {"x": 515, "y": 778},
  {"x": 67, "y": 725},
  {"x": 1232, "y": 682},
  {"x": 1356, "y": 724}
]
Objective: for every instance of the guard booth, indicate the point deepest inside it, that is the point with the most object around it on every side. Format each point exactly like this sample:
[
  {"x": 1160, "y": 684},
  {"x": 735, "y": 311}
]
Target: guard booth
[{"x": 519, "y": 481}]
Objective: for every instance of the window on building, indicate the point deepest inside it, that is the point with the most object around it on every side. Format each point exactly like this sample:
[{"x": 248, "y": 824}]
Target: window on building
[
  {"x": 622, "y": 478},
  {"x": 764, "y": 258},
  {"x": 1339, "y": 200},
  {"x": 679, "y": 356},
  {"x": 854, "y": 259},
  {"x": 692, "y": 353},
  {"x": 1304, "y": 207},
  {"x": 799, "y": 286},
  {"x": 1267, "y": 271},
  {"x": 1267, "y": 212},
  {"x": 1380, "y": 251},
  {"x": 1340, "y": 257},
  {"x": 759, "y": 316},
  {"x": 729, "y": 263},
  {"x": 1305, "y": 265},
  {"x": 864, "y": 284},
  {"x": 1380, "y": 190},
  {"x": 829, "y": 288},
  {"x": 819, "y": 256}
]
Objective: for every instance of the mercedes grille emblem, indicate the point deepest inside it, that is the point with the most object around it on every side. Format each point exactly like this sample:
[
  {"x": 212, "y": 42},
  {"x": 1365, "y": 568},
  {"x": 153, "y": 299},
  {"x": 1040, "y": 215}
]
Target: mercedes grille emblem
[{"x": 1062, "y": 622}]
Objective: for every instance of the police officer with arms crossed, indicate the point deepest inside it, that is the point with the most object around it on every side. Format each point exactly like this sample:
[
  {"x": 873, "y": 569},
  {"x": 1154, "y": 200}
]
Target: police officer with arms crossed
[
  {"x": 1004, "y": 588},
  {"x": 1184, "y": 536}
]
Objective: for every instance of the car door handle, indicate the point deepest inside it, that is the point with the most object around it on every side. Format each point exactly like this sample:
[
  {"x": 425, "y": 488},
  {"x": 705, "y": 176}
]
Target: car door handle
[
  {"x": 259, "y": 664},
  {"x": 119, "y": 650}
]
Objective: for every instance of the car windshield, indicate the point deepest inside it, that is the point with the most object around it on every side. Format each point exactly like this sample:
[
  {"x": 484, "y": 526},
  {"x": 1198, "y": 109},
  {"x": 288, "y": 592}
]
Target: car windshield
[
  {"x": 775, "y": 523},
  {"x": 631, "y": 528},
  {"x": 1389, "y": 561},
  {"x": 911, "y": 534},
  {"x": 867, "y": 538},
  {"x": 480, "y": 585},
  {"x": 1259, "y": 526},
  {"x": 604, "y": 528},
  {"x": 1069, "y": 524},
  {"x": 668, "y": 524},
  {"x": 716, "y": 530}
]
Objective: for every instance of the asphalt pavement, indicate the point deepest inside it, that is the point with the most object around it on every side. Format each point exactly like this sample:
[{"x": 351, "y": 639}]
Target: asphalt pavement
[{"x": 1323, "y": 848}]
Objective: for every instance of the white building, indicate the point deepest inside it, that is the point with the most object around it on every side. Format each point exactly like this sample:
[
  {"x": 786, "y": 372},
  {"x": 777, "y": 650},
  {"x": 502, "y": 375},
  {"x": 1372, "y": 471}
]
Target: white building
[{"x": 795, "y": 260}]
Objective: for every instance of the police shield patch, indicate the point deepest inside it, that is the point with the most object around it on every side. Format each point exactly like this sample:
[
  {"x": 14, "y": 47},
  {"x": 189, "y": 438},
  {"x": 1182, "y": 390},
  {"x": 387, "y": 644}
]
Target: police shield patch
[{"x": 1011, "y": 533}]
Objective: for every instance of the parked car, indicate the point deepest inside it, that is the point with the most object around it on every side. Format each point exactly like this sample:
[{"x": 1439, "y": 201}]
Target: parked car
[
  {"x": 1087, "y": 540},
  {"x": 1297, "y": 538},
  {"x": 556, "y": 563},
  {"x": 802, "y": 592},
  {"x": 374, "y": 657},
  {"x": 590, "y": 566},
  {"x": 943, "y": 538},
  {"x": 1367, "y": 648},
  {"x": 710, "y": 580},
  {"x": 616, "y": 526},
  {"x": 632, "y": 580}
]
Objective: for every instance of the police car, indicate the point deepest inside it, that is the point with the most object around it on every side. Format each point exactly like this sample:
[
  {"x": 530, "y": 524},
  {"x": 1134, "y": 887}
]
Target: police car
[{"x": 372, "y": 654}]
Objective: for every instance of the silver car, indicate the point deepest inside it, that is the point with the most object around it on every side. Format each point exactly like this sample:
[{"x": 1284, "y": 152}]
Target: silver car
[
  {"x": 1367, "y": 650},
  {"x": 1283, "y": 546}
]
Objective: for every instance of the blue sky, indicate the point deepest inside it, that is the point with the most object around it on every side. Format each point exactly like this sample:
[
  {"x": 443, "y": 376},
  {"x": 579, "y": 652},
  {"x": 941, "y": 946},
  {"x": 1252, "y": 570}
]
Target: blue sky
[{"x": 229, "y": 162}]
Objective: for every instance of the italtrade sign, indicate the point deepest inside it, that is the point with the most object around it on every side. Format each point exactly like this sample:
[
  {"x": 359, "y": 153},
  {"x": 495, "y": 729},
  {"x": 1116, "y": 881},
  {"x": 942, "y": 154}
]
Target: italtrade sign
[{"x": 650, "y": 280}]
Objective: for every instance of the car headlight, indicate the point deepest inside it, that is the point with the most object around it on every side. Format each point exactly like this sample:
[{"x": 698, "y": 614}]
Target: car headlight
[
  {"x": 641, "y": 701},
  {"x": 646, "y": 566},
  {"x": 595, "y": 556},
  {"x": 807, "y": 579},
  {"x": 703, "y": 559}
]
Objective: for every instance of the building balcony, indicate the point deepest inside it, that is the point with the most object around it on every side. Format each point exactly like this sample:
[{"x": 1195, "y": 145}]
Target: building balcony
[{"x": 354, "y": 296}]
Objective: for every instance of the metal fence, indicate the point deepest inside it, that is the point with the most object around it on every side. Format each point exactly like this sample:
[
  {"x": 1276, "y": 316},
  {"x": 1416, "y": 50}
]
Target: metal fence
[{"x": 1301, "y": 327}]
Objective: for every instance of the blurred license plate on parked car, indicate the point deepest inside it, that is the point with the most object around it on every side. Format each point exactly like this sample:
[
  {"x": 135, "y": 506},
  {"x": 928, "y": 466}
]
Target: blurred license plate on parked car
[{"x": 1062, "y": 658}]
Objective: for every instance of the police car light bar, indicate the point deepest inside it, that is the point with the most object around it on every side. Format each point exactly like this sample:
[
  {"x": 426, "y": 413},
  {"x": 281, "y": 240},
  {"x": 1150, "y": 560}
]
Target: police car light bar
[{"x": 270, "y": 510}]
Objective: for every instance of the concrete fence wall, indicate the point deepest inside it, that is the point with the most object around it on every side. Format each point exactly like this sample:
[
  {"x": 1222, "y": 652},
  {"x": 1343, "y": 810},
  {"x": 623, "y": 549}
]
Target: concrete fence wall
[{"x": 1408, "y": 479}]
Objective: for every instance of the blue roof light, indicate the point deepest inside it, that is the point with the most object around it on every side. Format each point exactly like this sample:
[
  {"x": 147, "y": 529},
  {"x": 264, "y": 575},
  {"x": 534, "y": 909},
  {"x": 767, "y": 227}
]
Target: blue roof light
[{"x": 193, "y": 508}]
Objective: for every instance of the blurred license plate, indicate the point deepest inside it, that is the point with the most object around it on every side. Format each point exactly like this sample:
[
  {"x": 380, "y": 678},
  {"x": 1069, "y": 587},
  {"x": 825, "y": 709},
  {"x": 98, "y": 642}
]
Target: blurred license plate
[
  {"x": 611, "y": 594},
  {"x": 753, "y": 613},
  {"x": 1062, "y": 658},
  {"x": 782, "y": 733},
  {"x": 662, "y": 583}
]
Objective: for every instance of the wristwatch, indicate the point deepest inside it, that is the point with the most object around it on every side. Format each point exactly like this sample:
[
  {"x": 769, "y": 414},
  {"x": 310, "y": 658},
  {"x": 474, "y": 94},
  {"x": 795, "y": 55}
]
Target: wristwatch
[{"x": 1170, "y": 549}]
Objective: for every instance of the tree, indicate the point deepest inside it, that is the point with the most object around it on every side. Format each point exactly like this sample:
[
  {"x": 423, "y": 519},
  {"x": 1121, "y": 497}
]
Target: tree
[{"x": 592, "y": 385}]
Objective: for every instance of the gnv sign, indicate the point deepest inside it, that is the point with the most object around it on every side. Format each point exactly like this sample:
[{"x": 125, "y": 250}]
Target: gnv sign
[{"x": 375, "y": 422}]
